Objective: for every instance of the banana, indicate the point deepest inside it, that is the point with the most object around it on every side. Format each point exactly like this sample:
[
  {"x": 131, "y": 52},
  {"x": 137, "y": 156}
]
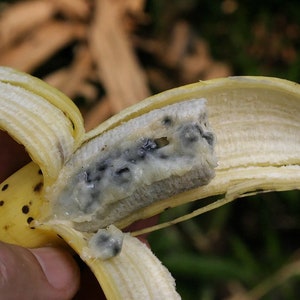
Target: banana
[{"x": 230, "y": 137}]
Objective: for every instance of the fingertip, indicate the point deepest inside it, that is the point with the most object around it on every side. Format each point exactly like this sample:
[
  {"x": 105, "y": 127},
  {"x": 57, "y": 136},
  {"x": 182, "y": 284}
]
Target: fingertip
[{"x": 45, "y": 273}]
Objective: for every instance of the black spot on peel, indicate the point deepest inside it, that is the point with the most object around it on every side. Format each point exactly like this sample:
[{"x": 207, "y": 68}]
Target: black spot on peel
[
  {"x": 5, "y": 187},
  {"x": 25, "y": 209},
  {"x": 1, "y": 202},
  {"x": 29, "y": 220},
  {"x": 40, "y": 172},
  {"x": 38, "y": 187}
]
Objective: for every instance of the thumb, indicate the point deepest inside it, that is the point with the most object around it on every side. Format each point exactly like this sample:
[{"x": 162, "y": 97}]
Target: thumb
[{"x": 44, "y": 273}]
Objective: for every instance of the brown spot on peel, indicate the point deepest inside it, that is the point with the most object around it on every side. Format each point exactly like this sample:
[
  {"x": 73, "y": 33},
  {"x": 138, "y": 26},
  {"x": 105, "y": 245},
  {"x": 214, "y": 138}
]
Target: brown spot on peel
[
  {"x": 38, "y": 187},
  {"x": 5, "y": 187}
]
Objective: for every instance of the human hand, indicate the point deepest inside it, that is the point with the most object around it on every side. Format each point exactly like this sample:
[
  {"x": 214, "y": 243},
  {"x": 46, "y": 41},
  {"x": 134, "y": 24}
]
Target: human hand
[{"x": 44, "y": 273}]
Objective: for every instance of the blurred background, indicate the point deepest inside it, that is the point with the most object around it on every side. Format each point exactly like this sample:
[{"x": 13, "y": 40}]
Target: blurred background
[{"x": 109, "y": 54}]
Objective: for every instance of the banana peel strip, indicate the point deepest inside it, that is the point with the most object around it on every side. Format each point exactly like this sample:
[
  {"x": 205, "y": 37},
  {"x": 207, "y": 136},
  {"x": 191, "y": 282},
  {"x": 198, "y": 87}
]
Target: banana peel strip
[
  {"x": 41, "y": 118},
  {"x": 134, "y": 274},
  {"x": 256, "y": 121}
]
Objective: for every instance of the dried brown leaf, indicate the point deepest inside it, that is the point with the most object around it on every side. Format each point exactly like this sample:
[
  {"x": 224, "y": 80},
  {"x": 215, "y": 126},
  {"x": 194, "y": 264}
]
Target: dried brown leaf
[
  {"x": 40, "y": 45},
  {"x": 114, "y": 55},
  {"x": 15, "y": 21},
  {"x": 98, "y": 114},
  {"x": 73, "y": 8}
]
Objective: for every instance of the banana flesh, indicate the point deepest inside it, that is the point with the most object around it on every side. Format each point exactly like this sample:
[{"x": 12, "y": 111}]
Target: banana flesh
[
  {"x": 256, "y": 122},
  {"x": 147, "y": 159}
]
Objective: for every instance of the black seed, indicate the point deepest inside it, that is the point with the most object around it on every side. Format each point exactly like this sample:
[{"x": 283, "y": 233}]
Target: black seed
[
  {"x": 122, "y": 175},
  {"x": 1, "y": 203},
  {"x": 122, "y": 171},
  {"x": 167, "y": 121},
  {"x": 25, "y": 209},
  {"x": 105, "y": 240},
  {"x": 209, "y": 137},
  {"x": 148, "y": 145},
  {"x": 116, "y": 248},
  {"x": 91, "y": 177},
  {"x": 5, "y": 187},
  {"x": 190, "y": 133},
  {"x": 163, "y": 156},
  {"x": 104, "y": 147},
  {"x": 29, "y": 220},
  {"x": 103, "y": 165},
  {"x": 38, "y": 187},
  {"x": 94, "y": 176}
]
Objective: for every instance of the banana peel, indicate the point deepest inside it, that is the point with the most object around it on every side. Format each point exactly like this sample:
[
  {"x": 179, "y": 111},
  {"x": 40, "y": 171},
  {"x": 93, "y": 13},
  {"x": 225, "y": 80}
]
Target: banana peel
[{"x": 256, "y": 121}]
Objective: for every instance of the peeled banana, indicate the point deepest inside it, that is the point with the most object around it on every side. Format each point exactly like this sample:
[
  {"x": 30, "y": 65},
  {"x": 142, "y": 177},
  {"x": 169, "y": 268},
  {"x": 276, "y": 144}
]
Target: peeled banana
[{"x": 229, "y": 137}]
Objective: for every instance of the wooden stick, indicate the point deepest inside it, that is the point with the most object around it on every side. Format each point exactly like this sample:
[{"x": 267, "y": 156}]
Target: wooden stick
[{"x": 75, "y": 80}]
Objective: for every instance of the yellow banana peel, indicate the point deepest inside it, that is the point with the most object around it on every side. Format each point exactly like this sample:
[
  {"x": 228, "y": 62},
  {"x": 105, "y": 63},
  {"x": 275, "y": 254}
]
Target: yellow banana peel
[{"x": 256, "y": 123}]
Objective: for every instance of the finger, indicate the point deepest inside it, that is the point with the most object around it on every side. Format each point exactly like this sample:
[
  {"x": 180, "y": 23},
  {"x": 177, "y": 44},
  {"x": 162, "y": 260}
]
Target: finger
[
  {"x": 12, "y": 156},
  {"x": 45, "y": 273}
]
